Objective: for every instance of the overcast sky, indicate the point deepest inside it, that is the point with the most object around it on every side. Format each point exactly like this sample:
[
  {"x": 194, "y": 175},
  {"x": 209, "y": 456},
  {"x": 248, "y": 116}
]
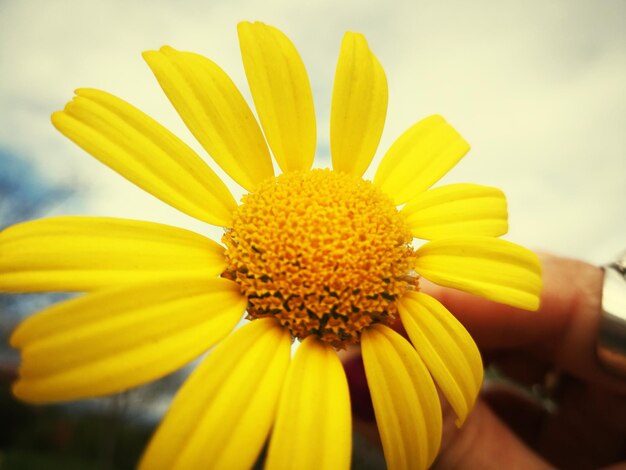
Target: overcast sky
[{"x": 537, "y": 87}]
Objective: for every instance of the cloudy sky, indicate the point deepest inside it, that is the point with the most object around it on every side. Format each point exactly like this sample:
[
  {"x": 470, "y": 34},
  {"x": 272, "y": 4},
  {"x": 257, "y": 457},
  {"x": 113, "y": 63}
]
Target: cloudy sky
[{"x": 537, "y": 87}]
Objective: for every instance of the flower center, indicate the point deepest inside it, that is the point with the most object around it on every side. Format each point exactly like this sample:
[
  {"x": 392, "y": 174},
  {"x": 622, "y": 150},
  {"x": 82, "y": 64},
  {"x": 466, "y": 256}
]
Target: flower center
[{"x": 326, "y": 253}]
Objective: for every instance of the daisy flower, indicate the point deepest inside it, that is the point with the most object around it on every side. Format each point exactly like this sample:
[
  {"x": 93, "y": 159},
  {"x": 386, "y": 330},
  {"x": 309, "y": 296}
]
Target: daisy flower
[{"x": 321, "y": 256}]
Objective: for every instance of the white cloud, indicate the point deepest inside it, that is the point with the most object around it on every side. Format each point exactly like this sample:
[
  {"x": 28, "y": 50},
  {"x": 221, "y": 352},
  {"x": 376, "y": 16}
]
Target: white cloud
[{"x": 537, "y": 88}]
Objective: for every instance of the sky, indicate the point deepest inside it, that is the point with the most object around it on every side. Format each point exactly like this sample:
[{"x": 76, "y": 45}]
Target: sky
[{"x": 537, "y": 87}]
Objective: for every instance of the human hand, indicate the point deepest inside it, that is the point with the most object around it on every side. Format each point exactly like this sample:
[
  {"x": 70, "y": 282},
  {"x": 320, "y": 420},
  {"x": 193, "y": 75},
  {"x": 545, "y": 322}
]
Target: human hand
[{"x": 549, "y": 352}]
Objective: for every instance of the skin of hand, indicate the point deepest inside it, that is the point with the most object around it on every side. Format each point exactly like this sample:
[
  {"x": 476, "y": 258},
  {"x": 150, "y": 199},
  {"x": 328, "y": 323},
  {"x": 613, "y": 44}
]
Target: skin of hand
[{"x": 509, "y": 427}]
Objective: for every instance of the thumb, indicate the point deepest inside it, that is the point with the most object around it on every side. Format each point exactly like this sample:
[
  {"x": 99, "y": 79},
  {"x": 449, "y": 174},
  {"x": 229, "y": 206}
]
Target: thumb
[{"x": 483, "y": 442}]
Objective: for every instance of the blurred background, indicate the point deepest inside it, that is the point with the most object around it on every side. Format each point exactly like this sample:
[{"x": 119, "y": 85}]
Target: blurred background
[{"x": 537, "y": 87}]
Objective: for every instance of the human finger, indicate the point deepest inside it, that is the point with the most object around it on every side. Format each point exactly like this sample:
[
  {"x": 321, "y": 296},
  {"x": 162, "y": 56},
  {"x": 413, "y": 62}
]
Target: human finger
[
  {"x": 484, "y": 441},
  {"x": 563, "y": 330}
]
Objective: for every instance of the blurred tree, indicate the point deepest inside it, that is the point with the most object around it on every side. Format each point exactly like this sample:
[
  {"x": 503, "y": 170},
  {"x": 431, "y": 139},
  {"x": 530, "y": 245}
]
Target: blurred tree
[
  {"x": 101, "y": 433},
  {"x": 24, "y": 195}
]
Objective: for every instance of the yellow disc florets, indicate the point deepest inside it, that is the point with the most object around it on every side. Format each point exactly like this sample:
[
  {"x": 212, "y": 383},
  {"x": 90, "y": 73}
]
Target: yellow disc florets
[{"x": 327, "y": 254}]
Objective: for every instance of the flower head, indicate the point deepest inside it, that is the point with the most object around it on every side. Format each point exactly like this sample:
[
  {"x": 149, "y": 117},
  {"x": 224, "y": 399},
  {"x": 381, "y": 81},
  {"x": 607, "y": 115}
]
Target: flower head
[
  {"x": 324, "y": 252},
  {"x": 321, "y": 256}
]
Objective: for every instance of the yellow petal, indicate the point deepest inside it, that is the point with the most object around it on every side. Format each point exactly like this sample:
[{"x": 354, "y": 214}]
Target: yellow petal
[
  {"x": 419, "y": 158},
  {"x": 66, "y": 254},
  {"x": 222, "y": 415},
  {"x": 215, "y": 112},
  {"x": 406, "y": 405},
  {"x": 488, "y": 267},
  {"x": 358, "y": 108},
  {"x": 112, "y": 340},
  {"x": 145, "y": 153},
  {"x": 457, "y": 209},
  {"x": 281, "y": 92},
  {"x": 446, "y": 348},
  {"x": 313, "y": 424}
]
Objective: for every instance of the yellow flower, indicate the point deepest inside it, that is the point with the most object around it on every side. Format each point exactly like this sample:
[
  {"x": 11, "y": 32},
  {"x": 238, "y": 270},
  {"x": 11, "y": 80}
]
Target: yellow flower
[{"x": 321, "y": 256}]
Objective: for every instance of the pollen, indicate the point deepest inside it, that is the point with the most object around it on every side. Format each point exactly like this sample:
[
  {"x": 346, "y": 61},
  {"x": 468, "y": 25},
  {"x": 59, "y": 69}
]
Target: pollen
[{"x": 325, "y": 253}]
